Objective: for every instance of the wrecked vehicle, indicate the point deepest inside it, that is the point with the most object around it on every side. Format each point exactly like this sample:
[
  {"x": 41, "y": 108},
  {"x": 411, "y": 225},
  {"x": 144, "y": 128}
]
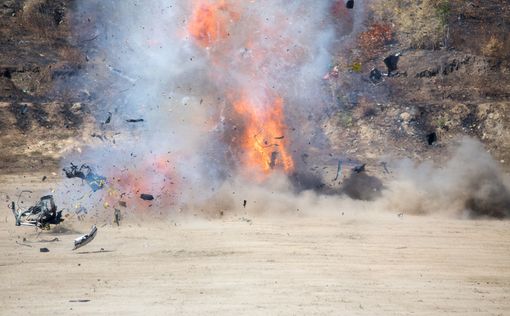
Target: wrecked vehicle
[
  {"x": 41, "y": 215},
  {"x": 84, "y": 172}
]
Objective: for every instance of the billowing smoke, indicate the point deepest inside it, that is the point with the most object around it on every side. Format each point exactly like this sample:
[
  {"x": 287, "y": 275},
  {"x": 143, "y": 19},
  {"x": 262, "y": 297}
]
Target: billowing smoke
[
  {"x": 225, "y": 89},
  {"x": 231, "y": 94}
]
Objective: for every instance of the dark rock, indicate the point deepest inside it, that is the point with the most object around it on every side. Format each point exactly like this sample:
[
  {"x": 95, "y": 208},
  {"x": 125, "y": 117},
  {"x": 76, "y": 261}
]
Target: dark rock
[
  {"x": 431, "y": 138},
  {"x": 391, "y": 63}
]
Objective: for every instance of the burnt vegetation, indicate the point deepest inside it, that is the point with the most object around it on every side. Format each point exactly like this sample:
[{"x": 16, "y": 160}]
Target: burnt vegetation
[{"x": 448, "y": 82}]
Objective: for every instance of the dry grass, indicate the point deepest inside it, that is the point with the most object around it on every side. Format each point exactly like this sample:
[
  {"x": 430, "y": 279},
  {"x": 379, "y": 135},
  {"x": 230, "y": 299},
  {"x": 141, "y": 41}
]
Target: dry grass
[
  {"x": 418, "y": 23},
  {"x": 494, "y": 48},
  {"x": 373, "y": 40},
  {"x": 45, "y": 18}
]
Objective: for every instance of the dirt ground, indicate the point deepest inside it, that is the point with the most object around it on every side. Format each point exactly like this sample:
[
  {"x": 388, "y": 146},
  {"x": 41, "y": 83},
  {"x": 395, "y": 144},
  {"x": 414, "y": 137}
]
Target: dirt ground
[{"x": 364, "y": 263}]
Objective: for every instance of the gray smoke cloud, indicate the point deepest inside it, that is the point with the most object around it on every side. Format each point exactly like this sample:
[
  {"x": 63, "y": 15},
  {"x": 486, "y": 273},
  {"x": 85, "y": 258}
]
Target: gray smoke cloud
[
  {"x": 154, "y": 60},
  {"x": 147, "y": 62}
]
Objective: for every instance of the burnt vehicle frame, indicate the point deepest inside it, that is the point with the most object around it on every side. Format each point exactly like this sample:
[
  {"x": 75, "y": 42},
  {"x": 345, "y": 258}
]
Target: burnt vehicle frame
[{"x": 41, "y": 215}]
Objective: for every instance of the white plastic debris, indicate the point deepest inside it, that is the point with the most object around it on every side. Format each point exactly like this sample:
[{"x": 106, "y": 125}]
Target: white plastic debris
[{"x": 85, "y": 239}]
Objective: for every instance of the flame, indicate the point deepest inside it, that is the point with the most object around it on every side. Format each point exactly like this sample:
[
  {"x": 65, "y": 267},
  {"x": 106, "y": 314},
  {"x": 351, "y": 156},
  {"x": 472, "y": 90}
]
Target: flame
[
  {"x": 263, "y": 141},
  {"x": 209, "y": 22},
  {"x": 263, "y": 144}
]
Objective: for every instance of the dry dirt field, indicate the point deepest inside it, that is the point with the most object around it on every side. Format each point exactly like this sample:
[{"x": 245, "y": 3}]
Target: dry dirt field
[{"x": 357, "y": 264}]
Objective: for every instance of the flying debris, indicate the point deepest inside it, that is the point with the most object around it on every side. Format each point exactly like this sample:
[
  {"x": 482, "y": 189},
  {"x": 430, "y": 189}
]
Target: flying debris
[
  {"x": 95, "y": 181},
  {"x": 134, "y": 120},
  {"x": 116, "y": 217},
  {"x": 85, "y": 239},
  {"x": 41, "y": 215},
  {"x": 384, "y": 164},
  {"x": 338, "y": 170},
  {"x": 146, "y": 197},
  {"x": 349, "y": 4},
  {"x": 359, "y": 169},
  {"x": 108, "y": 119}
]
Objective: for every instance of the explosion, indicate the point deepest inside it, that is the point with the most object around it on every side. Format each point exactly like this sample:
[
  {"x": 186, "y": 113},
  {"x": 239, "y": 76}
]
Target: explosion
[
  {"x": 262, "y": 146},
  {"x": 221, "y": 85}
]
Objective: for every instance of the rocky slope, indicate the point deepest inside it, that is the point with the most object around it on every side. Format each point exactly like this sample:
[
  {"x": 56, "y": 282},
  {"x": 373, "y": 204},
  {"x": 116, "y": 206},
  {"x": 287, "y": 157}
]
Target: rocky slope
[{"x": 450, "y": 82}]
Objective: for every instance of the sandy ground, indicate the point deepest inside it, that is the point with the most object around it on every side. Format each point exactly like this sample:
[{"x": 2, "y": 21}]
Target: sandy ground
[{"x": 356, "y": 264}]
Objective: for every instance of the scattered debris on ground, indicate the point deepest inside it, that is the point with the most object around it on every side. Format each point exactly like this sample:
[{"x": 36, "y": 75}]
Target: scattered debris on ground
[
  {"x": 44, "y": 249},
  {"x": 22, "y": 244},
  {"x": 247, "y": 220}
]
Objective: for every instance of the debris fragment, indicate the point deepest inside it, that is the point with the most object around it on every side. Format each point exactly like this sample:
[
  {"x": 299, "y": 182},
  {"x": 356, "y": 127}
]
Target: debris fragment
[
  {"x": 375, "y": 76},
  {"x": 385, "y": 166},
  {"x": 332, "y": 74},
  {"x": 359, "y": 169},
  {"x": 109, "y": 118},
  {"x": 95, "y": 181},
  {"x": 50, "y": 240},
  {"x": 44, "y": 178},
  {"x": 146, "y": 197},
  {"x": 391, "y": 63},
  {"x": 338, "y": 170},
  {"x": 247, "y": 220},
  {"x": 244, "y": 203},
  {"x": 349, "y": 4},
  {"x": 40, "y": 215},
  {"x": 79, "y": 301},
  {"x": 431, "y": 138},
  {"x": 44, "y": 249},
  {"x": 85, "y": 239},
  {"x": 116, "y": 216},
  {"x": 123, "y": 203},
  {"x": 22, "y": 244},
  {"x": 101, "y": 137},
  {"x": 134, "y": 120}
]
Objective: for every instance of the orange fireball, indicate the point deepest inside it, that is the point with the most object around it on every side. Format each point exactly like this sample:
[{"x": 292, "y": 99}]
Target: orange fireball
[
  {"x": 263, "y": 142},
  {"x": 210, "y": 21}
]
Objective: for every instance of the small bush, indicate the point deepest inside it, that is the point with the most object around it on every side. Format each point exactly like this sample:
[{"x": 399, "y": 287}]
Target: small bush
[{"x": 494, "y": 48}]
